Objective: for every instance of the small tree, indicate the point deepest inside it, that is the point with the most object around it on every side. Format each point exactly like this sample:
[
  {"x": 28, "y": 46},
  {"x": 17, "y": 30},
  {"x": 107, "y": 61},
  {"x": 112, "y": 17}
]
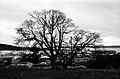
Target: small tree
[{"x": 51, "y": 31}]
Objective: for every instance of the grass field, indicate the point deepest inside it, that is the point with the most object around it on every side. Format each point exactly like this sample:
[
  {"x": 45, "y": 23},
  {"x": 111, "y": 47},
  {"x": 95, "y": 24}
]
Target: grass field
[{"x": 34, "y": 73}]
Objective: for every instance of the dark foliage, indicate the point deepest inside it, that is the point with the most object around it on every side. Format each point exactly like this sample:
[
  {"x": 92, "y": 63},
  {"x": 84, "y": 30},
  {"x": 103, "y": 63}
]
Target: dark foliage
[{"x": 105, "y": 61}]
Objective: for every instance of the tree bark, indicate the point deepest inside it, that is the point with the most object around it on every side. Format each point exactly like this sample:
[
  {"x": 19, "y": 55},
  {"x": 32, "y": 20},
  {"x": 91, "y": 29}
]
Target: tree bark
[{"x": 53, "y": 64}]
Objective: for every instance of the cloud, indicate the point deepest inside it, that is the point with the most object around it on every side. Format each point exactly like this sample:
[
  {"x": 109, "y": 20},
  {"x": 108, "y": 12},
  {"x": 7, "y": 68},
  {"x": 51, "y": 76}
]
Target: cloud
[
  {"x": 97, "y": 15},
  {"x": 111, "y": 41},
  {"x": 7, "y": 32}
]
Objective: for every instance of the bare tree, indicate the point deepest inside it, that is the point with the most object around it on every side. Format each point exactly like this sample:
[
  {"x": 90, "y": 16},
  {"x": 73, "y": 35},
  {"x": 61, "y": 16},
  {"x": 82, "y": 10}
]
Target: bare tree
[
  {"x": 78, "y": 42},
  {"x": 51, "y": 31}
]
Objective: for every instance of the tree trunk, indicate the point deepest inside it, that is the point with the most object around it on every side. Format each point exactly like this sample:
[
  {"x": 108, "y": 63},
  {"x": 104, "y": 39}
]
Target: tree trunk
[
  {"x": 35, "y": 57},
  {"x": 53, "y": 64},
  {"x": 64, "y": 66}
]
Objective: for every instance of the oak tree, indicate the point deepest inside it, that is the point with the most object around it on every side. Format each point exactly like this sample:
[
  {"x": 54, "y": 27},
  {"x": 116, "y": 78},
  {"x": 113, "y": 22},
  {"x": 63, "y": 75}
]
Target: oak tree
[{"x": 52, "y": 32}]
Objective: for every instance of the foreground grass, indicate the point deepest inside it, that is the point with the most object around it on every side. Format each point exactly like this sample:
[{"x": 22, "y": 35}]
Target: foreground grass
[{"x": 34, "y": 73}]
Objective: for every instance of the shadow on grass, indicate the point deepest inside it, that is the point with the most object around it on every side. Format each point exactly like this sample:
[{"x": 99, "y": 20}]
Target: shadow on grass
[{"x": 35, "y": 73}]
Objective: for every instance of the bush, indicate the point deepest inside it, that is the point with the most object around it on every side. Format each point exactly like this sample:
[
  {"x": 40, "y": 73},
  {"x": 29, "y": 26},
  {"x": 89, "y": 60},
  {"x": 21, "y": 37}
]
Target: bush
[{"x": 105, "y": 61}]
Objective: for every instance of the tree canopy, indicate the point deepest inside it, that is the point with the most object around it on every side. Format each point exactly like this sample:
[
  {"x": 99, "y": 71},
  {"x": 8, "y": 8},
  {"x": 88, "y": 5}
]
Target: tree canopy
[{"x": 52, "y": 30}]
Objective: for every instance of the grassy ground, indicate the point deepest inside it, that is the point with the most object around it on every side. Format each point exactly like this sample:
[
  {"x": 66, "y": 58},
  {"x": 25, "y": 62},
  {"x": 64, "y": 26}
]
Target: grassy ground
[{"x": 34, "y": 73}]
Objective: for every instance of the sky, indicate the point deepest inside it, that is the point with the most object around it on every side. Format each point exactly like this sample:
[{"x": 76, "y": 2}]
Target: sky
[{"x": 101, "y": 16}]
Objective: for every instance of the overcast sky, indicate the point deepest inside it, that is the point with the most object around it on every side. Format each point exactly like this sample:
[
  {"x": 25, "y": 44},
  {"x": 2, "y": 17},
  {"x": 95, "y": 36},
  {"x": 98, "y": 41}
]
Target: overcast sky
[{"x": 102, "y": 16}]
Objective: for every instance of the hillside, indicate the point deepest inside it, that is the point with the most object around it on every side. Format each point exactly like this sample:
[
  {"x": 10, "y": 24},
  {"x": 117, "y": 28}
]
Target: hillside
[{"x": 9, "y": 47}]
